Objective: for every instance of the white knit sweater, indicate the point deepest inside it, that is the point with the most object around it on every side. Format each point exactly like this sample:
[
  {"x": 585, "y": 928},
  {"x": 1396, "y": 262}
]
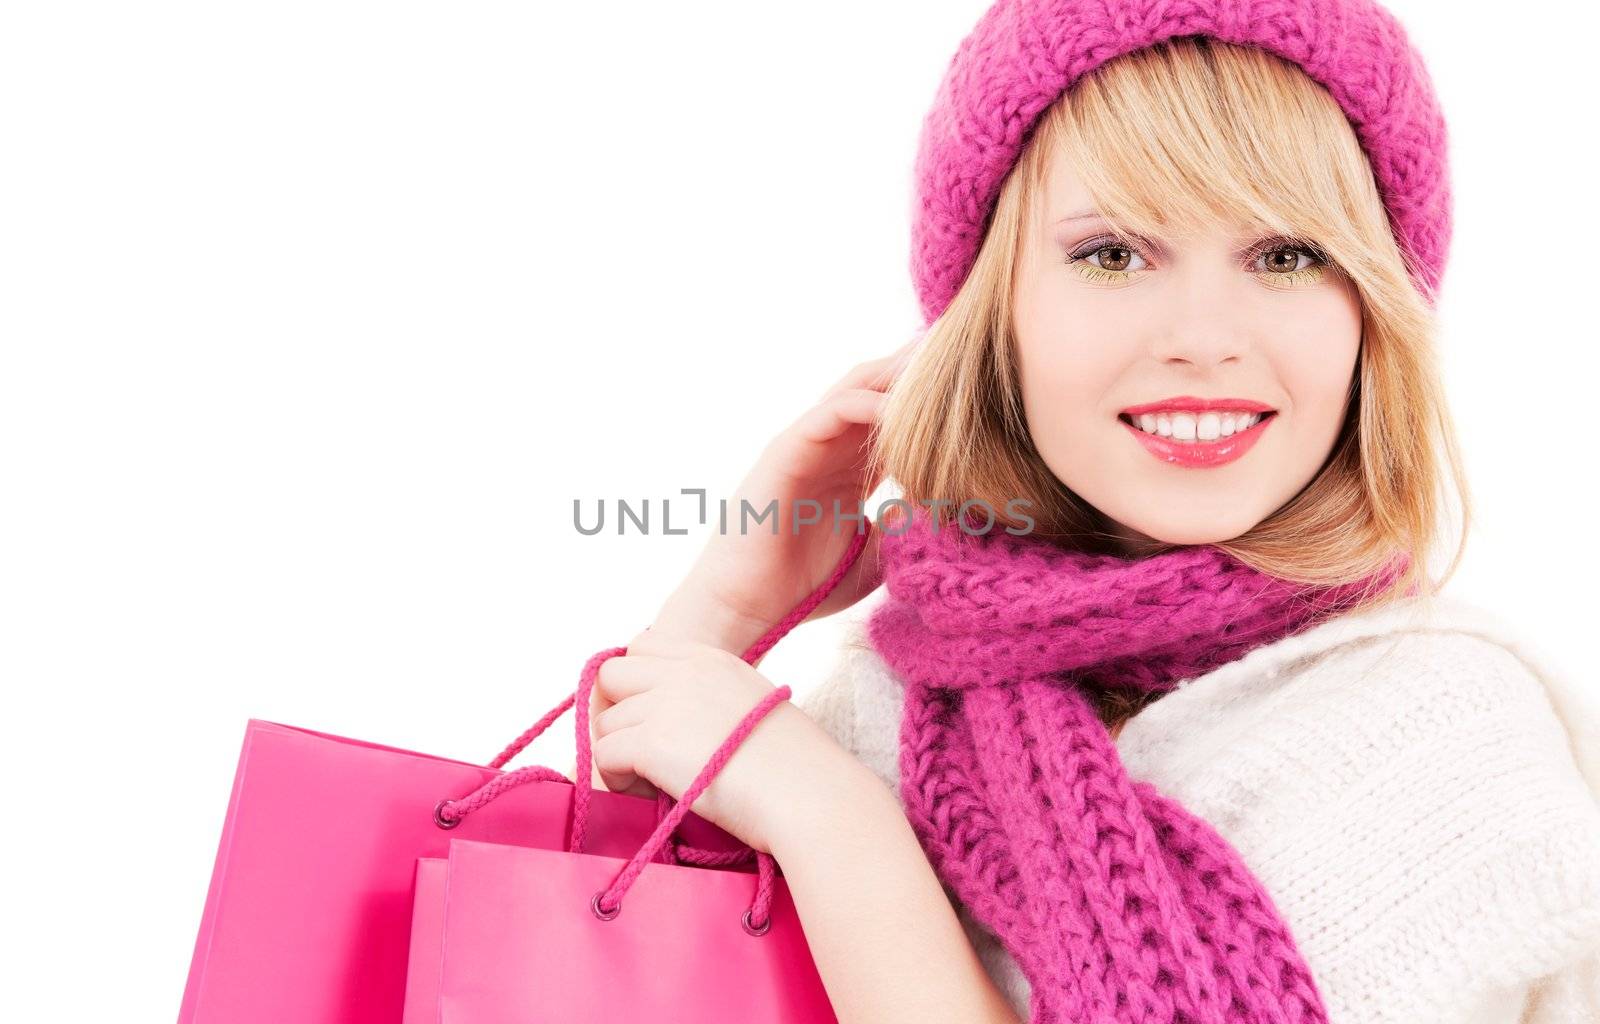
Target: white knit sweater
[{"x": 1416, "y": 789}]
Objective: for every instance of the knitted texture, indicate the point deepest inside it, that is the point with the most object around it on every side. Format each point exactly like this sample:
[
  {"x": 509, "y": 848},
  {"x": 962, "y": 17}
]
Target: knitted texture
[
  {"x": 1401, "y": 780},
  {"x": 1118, "y": 905},
  {"x": 1023, "y": 54}
]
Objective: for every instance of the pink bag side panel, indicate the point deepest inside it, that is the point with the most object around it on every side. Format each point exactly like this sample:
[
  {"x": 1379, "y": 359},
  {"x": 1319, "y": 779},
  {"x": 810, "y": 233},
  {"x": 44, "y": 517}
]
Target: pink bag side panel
[
  {"x": 523, "y": 946},
  {"x": 427, "y": 943},
  {"x": 308, "y": 913}
]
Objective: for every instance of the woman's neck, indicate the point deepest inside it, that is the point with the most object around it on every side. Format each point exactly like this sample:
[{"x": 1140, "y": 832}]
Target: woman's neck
[{"x": 1130, "y": 543}]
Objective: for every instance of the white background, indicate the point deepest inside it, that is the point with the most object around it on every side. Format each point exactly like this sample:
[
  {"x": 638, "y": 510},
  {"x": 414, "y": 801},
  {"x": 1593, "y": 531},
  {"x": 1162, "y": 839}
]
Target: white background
[{"x": 317, "y": 317}]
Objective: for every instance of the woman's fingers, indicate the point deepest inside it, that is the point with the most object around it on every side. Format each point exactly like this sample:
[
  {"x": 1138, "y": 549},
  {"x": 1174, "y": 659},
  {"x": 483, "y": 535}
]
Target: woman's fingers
[
  {"x": 611, "y": 759},
  {"x": 838, "y": 413},
  {"x": 876, "y": 374},
  {"x": 614, "y": 760},
  {"x": 651, "y": 660},
  {"x": 628, "y": 674},
  {"x": 624, "y": 714}
]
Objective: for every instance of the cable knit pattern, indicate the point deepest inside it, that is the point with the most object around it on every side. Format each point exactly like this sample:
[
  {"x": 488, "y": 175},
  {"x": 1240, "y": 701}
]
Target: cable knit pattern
[
  {"x": 1119, "y": 904},
  {"x": 1416, "y": 788},
  {"x": 1023, "y": 54}
]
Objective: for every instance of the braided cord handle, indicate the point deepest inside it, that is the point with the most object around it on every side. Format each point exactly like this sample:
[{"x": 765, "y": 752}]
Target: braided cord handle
[{"x": 607, "y": 903}]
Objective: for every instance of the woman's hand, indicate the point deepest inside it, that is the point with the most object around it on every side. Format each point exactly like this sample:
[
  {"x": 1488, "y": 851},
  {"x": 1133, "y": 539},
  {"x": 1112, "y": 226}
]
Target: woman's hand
[
  {"x": 674, "y": 701},
  {"x": 744, "y": 581}
]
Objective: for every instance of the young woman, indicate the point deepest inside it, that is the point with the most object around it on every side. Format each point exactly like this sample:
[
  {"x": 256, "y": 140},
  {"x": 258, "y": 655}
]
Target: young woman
[{"x": 1161, "y": 715}]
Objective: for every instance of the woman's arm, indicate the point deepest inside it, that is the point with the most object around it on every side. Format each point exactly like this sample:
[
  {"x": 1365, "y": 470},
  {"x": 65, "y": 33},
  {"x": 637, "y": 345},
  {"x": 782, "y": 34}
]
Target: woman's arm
[{"x": 885, "y": 937}]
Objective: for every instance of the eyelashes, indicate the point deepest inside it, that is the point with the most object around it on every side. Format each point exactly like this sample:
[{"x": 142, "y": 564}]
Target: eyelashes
[{"x": 1301, "y": 276}]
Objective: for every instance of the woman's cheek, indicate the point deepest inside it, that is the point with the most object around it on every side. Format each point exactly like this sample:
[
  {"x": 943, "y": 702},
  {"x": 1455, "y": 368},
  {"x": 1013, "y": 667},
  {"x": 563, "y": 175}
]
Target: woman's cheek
[
  {"x": 1049, "y": 406},
  {"x": 1317, "y": 367}
]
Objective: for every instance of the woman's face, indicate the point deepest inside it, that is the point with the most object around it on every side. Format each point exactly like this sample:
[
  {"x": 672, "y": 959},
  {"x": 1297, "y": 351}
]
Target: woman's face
[{"x": 1185, "y": 335}]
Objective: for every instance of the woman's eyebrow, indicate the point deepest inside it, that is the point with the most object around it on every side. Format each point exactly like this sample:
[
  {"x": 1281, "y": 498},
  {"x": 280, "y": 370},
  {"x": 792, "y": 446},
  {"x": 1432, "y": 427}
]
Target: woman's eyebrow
[{"x": 1085, "y": 215}]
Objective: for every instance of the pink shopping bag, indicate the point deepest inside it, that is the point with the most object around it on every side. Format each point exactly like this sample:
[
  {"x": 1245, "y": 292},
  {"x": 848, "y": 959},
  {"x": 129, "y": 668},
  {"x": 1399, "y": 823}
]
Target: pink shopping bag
[
  {"x": 307, "y": 919},
  {"x": 308, "y": 913},
  {"x": 427, "y": 942},
  {"x": 540, "y": 936},
  {"x": 521, "y": 943}
]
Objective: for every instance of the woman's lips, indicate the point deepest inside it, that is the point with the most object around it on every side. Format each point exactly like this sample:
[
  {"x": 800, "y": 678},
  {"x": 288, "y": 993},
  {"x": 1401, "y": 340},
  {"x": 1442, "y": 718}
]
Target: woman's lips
[
  {"x": 1189, "y": 403},
  {"x": 1201, "y": 454}
]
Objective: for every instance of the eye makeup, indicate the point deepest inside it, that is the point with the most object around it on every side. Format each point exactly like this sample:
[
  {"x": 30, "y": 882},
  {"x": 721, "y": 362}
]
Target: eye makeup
[{"x": 1300, "y": 277}]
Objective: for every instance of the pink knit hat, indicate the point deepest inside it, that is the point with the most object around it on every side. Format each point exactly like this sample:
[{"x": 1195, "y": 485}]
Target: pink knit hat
[{"x": 1023, "y": 54}]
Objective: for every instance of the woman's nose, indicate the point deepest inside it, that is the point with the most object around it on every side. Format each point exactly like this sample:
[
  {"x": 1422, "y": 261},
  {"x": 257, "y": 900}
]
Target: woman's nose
[
  {"x": 1201, "y": 349},
  {"x": 1202, "y": 324}
]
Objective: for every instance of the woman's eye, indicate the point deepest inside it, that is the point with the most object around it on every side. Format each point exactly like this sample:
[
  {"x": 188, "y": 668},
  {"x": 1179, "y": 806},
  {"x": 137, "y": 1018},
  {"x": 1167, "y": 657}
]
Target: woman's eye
[
  {"x": 1285, "y": 259},
  {"x": 1107, "y": 261},
  {"x": 1115, "y": 257},
  {"x": 1289, "y": 265}
]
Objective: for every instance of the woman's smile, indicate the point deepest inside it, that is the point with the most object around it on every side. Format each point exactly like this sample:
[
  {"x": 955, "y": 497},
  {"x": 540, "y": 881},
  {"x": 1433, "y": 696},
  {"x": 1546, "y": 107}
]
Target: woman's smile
[{"x": 1198, "y": 438}]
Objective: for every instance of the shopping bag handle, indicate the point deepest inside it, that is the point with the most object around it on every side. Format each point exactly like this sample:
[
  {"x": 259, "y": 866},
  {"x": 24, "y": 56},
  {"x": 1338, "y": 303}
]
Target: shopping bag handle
[{"x": 606, "y": 904}]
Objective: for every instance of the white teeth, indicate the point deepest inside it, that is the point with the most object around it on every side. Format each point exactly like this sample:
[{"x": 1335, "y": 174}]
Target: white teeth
[{"x": 1190, "y": 426}]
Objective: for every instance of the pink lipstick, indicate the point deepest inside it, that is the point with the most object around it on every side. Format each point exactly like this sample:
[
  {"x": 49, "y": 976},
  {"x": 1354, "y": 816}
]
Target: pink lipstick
[{"x": 1185, "y": 414}]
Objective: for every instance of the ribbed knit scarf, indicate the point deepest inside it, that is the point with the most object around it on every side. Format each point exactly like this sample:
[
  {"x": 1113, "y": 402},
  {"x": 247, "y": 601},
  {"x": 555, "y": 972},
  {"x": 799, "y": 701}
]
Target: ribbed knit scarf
[{"x": 1117, "y": 904}]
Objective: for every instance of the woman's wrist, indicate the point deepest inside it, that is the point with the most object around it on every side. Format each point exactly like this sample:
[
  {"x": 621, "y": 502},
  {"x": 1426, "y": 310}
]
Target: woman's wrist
[
  {"x": 881, "y": 930},
  {"x": 692, "y": 615},
  {"x": 824, "y": 784}
]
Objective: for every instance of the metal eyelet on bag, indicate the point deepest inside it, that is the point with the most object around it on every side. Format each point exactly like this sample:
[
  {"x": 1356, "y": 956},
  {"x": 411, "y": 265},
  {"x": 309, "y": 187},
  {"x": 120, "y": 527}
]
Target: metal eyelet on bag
[
  {"x": 439, "y": 818},
  {"x": 757, "y": 932},
  {"x": 594, "y": 905}
]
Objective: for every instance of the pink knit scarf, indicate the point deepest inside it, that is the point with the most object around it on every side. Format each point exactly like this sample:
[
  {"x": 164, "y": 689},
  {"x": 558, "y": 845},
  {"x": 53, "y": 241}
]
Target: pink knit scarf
[{"x": 1118, "y": 905}]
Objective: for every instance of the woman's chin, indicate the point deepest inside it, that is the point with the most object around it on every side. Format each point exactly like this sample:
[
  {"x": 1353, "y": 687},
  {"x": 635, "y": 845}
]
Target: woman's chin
[{"x": 1143, "y": 532}]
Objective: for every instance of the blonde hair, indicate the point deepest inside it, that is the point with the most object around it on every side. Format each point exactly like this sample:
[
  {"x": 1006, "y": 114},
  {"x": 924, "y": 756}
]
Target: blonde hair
[{"x": 1167, "y": 137}]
